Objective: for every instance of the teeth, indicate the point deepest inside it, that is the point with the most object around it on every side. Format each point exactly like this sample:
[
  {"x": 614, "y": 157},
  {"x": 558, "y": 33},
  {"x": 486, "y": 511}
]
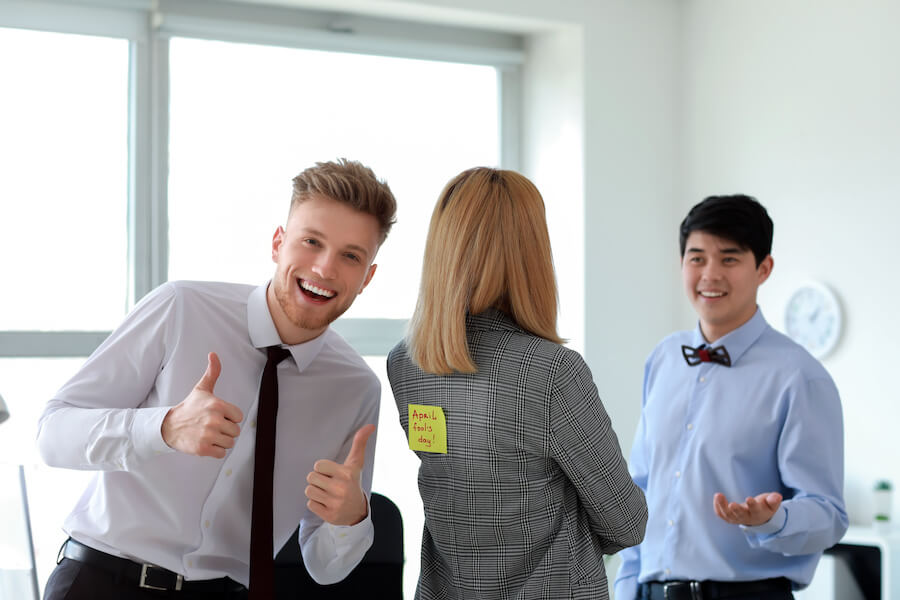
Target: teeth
[
  {"x": 316, "y": 290},
  {"x": 712, "y": 294}
]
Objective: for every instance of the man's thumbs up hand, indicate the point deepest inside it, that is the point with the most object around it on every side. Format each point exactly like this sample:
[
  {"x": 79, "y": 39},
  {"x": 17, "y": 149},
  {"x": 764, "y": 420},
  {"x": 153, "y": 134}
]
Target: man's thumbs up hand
[
  {"x": 334, "y": 491},
  {"x": 203, "y": 424},
  {"x": 213, "y": 369}
]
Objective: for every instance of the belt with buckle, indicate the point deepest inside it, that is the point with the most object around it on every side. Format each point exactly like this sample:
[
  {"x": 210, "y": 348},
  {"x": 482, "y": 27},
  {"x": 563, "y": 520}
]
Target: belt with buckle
[
  {"x": 143, "y": 575},
  {"x": 710, "y": 590}
]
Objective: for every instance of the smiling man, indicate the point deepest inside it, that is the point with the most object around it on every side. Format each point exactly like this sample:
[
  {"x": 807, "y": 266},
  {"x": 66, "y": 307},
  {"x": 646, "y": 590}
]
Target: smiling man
[
  {"x": 179, "y": 410},
  {"x": 739, "y": 448}
]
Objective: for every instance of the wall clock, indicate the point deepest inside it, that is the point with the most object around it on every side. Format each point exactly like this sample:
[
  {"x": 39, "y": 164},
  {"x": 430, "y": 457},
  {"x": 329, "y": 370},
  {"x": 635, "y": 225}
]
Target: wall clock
[{"x": 813, "y": 318}]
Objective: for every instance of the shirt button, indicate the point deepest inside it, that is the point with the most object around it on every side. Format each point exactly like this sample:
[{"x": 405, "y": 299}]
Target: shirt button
[
  {"x": 702, "y": 379},
  {"x": 253, "y": 423},
  {"x": 228, "y": 473},
  {"x": 677, "y": 473},
  {"x": 668, "y": 572},
  {"x": 671, "y": 522},
  {"x": 690, "y": 426},
  {"x": 206, "y": 523},
  {"x": 190, "y": 563}
]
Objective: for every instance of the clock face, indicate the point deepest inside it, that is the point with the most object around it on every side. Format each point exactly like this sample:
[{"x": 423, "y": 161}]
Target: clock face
[{"x": 813, "y": 318}]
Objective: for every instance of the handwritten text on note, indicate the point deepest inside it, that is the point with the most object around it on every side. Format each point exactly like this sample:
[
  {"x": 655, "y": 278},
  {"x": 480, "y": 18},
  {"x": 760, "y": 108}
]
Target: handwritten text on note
[{"x": 427, "y": 429}]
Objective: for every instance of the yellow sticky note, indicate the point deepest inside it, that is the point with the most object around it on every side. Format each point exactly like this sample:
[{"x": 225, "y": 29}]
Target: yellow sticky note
[{"x": 427, "y": 429}]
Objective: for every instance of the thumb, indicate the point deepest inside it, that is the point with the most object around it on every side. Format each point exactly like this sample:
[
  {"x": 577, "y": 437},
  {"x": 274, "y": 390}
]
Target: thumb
[
  {"x": 773, "y": 500},
  {"x": 357, "y": 456},
  {"x": 213, "y": 369}
]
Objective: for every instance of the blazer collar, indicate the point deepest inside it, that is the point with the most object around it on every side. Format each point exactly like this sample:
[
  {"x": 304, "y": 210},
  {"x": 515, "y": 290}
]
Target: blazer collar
[{"x": 493, "y": 320}]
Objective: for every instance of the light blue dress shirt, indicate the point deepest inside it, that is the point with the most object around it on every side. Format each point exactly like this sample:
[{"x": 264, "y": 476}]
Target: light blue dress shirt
[{"x": 771, "y": 422}]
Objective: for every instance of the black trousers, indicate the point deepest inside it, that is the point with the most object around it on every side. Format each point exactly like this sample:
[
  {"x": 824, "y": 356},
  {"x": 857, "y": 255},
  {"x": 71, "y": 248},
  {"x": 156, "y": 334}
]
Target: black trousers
[
  {"x": 643, "y": 594},
  {"x": 73, "y": 580}
]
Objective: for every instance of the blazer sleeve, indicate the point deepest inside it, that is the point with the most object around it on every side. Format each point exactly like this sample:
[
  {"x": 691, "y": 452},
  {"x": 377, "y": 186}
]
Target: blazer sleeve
[{"x": 585, "y": 446}]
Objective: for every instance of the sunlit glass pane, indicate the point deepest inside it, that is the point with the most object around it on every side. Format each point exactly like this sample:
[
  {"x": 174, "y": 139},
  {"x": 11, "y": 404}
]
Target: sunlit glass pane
[
  {"x": 63, "y": 189},
  {"x": 245, "y": 119}
]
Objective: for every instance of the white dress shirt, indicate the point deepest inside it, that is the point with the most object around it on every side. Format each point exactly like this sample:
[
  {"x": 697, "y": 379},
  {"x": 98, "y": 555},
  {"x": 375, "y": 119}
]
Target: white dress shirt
[{"x": 191, "y": 514}]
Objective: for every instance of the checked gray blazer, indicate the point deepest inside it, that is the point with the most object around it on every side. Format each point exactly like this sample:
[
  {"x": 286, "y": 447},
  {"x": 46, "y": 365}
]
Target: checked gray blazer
[{"x": 533, "y": 489}]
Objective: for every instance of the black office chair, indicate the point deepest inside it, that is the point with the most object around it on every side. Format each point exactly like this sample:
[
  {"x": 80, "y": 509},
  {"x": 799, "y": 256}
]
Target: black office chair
[{"x": 379, "y": 575}]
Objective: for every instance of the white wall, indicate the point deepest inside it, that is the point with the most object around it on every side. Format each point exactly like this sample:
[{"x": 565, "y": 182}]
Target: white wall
[
  {"x": 798, "y": 103},
  {"x": 553, "y": 131},
  {"x": 631, "y": 185}
]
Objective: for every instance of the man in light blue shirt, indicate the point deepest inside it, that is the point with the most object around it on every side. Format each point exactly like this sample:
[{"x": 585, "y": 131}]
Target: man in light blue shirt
[{"x": 739, "y": 448}]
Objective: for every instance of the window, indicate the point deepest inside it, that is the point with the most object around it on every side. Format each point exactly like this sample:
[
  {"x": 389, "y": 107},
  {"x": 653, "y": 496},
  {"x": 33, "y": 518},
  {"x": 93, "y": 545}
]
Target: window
[
  {"x": 240, "y": 133},
  {"x": 64, "y": 124},
  {"x": 140, "y": 147}
]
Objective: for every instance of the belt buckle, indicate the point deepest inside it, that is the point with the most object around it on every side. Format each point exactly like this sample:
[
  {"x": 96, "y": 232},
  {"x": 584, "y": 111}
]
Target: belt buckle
[
  {"x": 693, "y": 586},
  {"x": 675, "y": 585},
  {"x": 142, "y": 583},
  {"x": 696, "y": 592}
]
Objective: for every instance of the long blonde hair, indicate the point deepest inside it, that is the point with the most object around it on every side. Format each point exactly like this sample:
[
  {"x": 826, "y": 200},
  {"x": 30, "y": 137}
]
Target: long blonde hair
[{"x": 487, "y": 247}]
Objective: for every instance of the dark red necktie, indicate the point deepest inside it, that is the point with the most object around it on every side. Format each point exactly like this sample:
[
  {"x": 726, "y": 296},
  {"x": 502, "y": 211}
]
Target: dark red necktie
[
  {"x": 262, "y": 551},
  {"x": 703, "y": 353}
]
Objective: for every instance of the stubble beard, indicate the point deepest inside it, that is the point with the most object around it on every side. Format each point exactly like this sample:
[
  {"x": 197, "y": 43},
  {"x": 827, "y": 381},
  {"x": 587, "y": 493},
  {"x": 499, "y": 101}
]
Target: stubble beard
[{"x": 300, "y": 318}]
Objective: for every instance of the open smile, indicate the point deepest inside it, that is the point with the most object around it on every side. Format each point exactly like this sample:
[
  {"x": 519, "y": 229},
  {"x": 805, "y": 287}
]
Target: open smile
[
  {"x": 315, "y": 292},
  {"x": 711, "y": 294}
]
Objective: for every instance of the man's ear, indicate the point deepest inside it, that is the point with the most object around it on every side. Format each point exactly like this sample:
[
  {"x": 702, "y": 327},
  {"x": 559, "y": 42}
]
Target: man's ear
[
  {"x": 764, "y": 269},
  {"x": 277, "y": 241},
  {"x": 368, "y": 277}
]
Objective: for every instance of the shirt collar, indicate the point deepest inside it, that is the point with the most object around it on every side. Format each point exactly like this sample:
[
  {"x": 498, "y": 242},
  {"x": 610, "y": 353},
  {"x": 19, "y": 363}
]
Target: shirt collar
[
  {"x": 264, "y": 334},
  {"x": 737, "y": 342}
]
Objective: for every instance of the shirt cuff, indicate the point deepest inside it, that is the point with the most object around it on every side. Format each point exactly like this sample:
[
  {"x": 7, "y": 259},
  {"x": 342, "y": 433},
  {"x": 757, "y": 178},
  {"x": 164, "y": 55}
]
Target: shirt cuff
[
  {"x": 773, "y": 525},
  {"x": 345, "y": 536},
  {"x": 333, "y": 551},
  {"x": 146, "y": 432}
]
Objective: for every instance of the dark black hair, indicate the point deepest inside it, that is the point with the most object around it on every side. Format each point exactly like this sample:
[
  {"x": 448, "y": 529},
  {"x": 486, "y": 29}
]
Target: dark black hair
[{"x": 738, "y": 218}]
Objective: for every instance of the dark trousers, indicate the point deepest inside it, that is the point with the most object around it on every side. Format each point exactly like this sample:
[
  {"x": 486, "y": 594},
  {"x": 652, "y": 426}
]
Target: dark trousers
[
  {"x": 757, "y": 596},
  {"x": 73, "y": 580},
  {"x": 645, "y": 593}
]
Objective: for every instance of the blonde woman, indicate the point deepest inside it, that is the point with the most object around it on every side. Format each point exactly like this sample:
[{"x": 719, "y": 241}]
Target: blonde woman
[{"x": 522, "y": 478}]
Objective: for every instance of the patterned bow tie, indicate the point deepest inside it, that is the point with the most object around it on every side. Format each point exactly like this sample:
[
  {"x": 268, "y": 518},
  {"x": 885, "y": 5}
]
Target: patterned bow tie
[{"x": 703, "y": 353}]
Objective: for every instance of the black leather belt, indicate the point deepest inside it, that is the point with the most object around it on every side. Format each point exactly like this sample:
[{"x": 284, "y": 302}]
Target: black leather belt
[
  {"x": 710, "y": 590},
  {"x": 144, "y": 575}
]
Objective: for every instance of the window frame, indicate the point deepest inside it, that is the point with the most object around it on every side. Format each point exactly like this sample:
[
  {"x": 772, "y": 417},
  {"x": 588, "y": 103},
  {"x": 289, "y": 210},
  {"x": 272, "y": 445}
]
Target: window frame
[{"x": 148, "y": 25}]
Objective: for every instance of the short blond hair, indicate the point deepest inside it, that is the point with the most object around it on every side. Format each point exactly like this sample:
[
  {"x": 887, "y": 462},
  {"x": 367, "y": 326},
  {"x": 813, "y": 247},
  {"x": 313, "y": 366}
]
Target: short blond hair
[
  {"x": 487, "y": 247},
  {"x": 351, "y": 183}
]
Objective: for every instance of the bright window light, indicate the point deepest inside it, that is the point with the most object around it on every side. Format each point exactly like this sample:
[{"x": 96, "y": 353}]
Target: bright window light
[
  {"x": 63, "y": 192},
  {"x": 246, "y": 119}
]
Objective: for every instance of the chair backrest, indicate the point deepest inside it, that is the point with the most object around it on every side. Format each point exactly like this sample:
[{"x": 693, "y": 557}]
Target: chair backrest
[{"x": 378, "y": 575}]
